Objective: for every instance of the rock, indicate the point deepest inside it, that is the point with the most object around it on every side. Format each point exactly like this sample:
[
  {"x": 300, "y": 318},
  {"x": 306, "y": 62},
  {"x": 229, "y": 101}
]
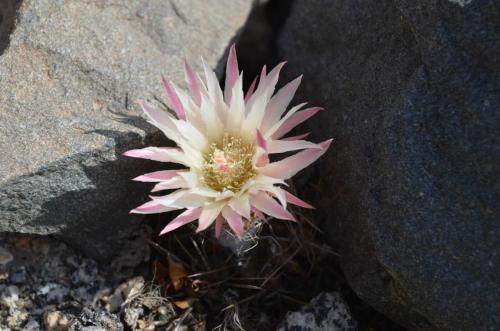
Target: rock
[
  {"x": 410, "y": 191},
  {"x": 131, "y": 315},
  {"x": 124, "y": 293},
  {"x": 326, "y": 312},
  {"x": 10, "y": 296},
  {"x": 68, "y": 79},
  {"x": 54, "y": 293},
  {"x": 86, "y": 273},
  {"x": 55, "y": 321},
  {"x": 90, "y": 320},
  {"x": 19, "y": 276},
  {"x": 32, "y": 325},
  {"x": 5, "y": 256}
]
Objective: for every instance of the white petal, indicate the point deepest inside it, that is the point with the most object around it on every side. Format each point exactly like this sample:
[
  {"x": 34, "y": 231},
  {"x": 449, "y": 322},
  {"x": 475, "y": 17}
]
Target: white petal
[
  {"x": 282, "y": 146},
  {"x": 209, "y": 214},
  {"x": 241, "y": 205}
]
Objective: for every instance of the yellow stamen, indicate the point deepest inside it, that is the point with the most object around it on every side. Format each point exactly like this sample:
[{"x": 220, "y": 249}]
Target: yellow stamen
[{"x": 228, "y": 164}]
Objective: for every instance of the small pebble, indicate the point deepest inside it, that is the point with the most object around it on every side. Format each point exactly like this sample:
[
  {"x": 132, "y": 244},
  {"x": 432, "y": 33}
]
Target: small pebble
[
  {"x": 162, "y": 310},
  {"x": 55, "y": 321},
  {"x": 132, "y": 315},
  {"x": 19, "y": 276},
  {"x": 53, "y": 292},
  {"x": 10, "y": 296},
  {"x": 31, "y": 325},
  {"x": 5, "y": 256}
]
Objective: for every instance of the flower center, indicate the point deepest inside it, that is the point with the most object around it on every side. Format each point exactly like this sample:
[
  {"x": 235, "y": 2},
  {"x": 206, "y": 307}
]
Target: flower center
[{"x": 228, "y": 164}]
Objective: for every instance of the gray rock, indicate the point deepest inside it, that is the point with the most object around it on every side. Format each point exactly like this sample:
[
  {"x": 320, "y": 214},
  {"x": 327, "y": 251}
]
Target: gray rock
[
  {"x": 90, "y": 320},
  {"x": 5, "y": 256},
  {"x": 131, "y": 315},
  {"x": 68, "y": 79},
  {"x": 10, "y": 296},
  {"x": 410, "y": 189},
  {"x": 326, "y": 312}
]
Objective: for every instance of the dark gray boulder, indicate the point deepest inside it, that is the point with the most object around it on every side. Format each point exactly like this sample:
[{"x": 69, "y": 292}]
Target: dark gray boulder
[
  {"x": 69, "y": 73},
  {"x": 410, "y": 191}
]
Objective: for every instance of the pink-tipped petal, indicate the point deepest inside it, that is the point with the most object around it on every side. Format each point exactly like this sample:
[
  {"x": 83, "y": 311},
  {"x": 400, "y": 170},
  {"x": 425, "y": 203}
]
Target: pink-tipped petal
[
  {"x": 156, "y": 115},
  {"x": 283, "y": 146},
  {"x": 157, "y": 176},
  {"x": 261, "y": 141},
  {"x": 234, "y": 220},
  {"x": 259, "y": 214},
  {"x": 208, "y": 215},
  {"x": 241, "y": 205},
  {"x": 162, "y": 154},
  {"x": 263, "y": 74},
  {"x": 269, "y": 206},
  {"x": 219, "y": 221},
  {"x": 173, "y": 183},
  {"x": 193, "y": 83},
  {"x": 183, "y": 219},
  {"x": 289, "y": 166},
  {"x": 174, "y": 99},
  {"x": 299, "y": 137},
  {"x": 232, "y": 74},
  {"x": 279, "y": 102},
  {"x": 263, "y": 158},
  {"x": 151, "y": 207},
  {"x": 251, "y": 89},
  {"x": 295, "y": 120},
  {"x": 296, "y": 201}
]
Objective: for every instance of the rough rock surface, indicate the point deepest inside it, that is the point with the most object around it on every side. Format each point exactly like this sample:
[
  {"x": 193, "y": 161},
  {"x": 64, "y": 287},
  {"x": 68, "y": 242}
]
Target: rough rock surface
[
  {"x": 410, "y": 189},
  {"x": 50, "y": 286},
  {"x": 326, "y": 312},
  {"x": 68, "y": 78}
]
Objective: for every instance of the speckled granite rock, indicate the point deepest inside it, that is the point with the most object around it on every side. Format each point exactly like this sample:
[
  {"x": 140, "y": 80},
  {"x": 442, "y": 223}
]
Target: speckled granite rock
[
  {"x": 68, "y": 78},
  {"x": 411, "y": 187}
]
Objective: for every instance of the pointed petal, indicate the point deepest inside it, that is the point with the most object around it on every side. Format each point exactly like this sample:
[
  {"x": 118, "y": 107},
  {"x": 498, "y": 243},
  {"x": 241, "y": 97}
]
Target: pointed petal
[
  {"x": 174, "y": 99},
  {"x": 193, "y": 83},
  {"x": 151, "y": 207},
  {"x": 191, "y": 134},
  {"x": 276, "y": 192},
  {"x": 257, "y": 104},
  {"x": 219, "y": 221},
  {"x": 279, "y": 102},
  {"x": 232, "y": 74},
  {"x": 263, "y": 202},
  {"x": 289, "y": 166},
  {"x": 299, "y": 137},
  {"x": 263, "y": 74},
  {"x": 234, "y": 221},
  {"x": 168, "y": 200},
  {"x": 162, "y": 154},
  {"x": 269, "y": 133},
  {"x": 296, "y": 201},
  {"x": 262, "y": 158},
  {"x": 156, "y": 115},
  {"x": 241, "y": 205},
  {"x": 259, "y": 214},
  {"x": 208, "y": 215},
  {"x": 236, "y": 114},
  {"x": 295, "y": 120},
  {"x": 184, "y": 218},
  {"x": 261, "y": 142},
  {"x": 158, "y": 176},
  {"x": 160, "y": 119},
  {"x": 282, "y": 146},
  {"x": 173, "y": 183},
  {"x": 251, "y": 89}
]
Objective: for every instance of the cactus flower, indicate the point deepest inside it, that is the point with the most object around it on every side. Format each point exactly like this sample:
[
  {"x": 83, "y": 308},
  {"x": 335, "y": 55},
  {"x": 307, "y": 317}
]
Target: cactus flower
[{"x": 224, "y": 139}]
